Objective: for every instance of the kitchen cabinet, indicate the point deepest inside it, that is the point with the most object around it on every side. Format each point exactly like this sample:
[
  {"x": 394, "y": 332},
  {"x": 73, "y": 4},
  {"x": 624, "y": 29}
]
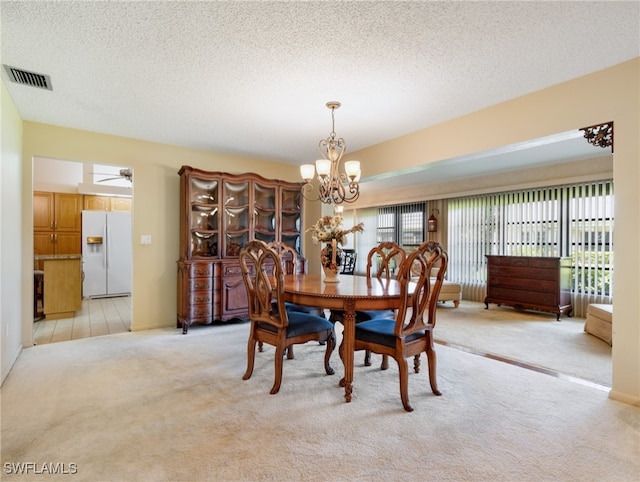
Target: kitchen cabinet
[
  {"x": 106, "y": 203},
  {"x": 219, "y": 214},
  {"x": 56, "y": 224},
  {"x": 530, "y": 282},
  {"x": 59, "y": 212}
]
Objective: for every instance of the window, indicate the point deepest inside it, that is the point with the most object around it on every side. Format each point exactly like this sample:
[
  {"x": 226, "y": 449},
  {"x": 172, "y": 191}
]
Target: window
[
  {"x": 402, "y": 224},
  {"x": 574, "y": 221}
]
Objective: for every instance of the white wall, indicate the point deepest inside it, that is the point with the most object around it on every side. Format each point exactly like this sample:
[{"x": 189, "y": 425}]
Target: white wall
[
  {"x": 12, "y": 282},
  {"x": 53, "y": 175}
]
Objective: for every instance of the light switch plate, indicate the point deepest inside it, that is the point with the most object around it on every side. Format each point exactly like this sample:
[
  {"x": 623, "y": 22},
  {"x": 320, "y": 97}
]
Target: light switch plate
[{"x": 145, "y": 239}]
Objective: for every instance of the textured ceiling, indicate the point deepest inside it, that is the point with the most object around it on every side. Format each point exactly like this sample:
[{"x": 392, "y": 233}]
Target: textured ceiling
[{"x": 252, "y": 78}]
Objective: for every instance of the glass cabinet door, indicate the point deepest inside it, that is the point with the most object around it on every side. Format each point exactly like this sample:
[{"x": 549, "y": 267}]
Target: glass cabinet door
[
  {"x": 203, "y": 217},
  {"x": 264, "y": 213},
  {"x": 291, "y": 217},
  {"x": 236, "y": 217}
]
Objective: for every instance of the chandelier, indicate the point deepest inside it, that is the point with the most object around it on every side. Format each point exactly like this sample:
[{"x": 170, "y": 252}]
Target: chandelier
[{"x": 334, "y": 187}]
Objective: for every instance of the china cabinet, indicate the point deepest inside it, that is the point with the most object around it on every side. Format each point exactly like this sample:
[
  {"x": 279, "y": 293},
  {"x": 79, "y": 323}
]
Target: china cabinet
[
  {"x": 528, "y": 282},
  {"x": 219, "y": 214}
]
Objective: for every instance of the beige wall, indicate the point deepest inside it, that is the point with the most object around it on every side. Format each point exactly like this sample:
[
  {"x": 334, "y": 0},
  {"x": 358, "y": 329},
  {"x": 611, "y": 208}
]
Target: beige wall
[
  {"x": 609, "y": 95},
  {"x": 612, "y": 94},
  {"x": 155, "y": 203}
]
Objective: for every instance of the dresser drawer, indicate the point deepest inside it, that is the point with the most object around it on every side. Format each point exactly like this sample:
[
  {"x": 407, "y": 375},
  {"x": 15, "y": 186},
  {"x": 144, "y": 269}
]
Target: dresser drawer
[
  {"x": 524, "y": 297},
  {"x": 199, "y": 312},
  {"x": 198, "y": 284},
  {"x": 233, "y": 270},
  {"x": 522, "y": 273},
  {"x": 199, "y": 297},
  {"x": 548, "y": 284},
  {"x": 200, "y": 270}
]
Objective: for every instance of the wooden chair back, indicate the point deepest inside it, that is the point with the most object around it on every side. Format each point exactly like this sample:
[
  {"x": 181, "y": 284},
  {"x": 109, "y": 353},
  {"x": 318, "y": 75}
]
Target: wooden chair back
[
  {"x": 288, "y": 257},
  {"x": 263, "y": 276},
  {"x": 384, "y": 260},
  {"x": 426, "y": 267}
]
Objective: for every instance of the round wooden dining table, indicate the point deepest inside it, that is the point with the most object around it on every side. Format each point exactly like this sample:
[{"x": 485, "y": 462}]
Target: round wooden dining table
[{"x": 351, "y": 294}]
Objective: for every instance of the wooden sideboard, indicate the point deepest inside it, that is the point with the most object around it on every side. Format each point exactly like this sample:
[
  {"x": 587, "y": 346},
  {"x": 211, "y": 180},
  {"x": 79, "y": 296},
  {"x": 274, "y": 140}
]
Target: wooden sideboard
[
  {"x": 219, "y": 214},
  {"x": 527, "y": 282}
]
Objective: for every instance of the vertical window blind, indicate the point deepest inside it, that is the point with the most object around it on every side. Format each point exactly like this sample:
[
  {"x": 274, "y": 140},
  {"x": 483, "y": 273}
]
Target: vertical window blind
[{"x": 575, "y": 221}]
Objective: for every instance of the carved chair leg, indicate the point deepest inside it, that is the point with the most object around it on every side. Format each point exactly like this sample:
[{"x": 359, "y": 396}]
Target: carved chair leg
[
  {"x": 331, "y": 345},
  {"x": 251, "y": 356},
  {"x": 278, "y": 370},
  {"x": 416, "y": 363},
  {"x": 260, "y": 349},
  {"x": 403, "y": 369},
  {"x": 385, "y": 362},
  {"x": 431, "y": 361},
  {"x": 367, "y": 358},
  {"x": 290, "y": 353}
]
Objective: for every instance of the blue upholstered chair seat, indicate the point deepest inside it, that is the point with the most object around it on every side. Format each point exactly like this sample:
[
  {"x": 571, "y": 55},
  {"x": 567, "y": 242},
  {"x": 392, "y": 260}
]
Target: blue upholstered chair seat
[
  {"x": 312, "y": 310},
  {"x": 380, "y": 331},
  {"x": 301, "y": 324},
  {"x": 372, "y": 314}
]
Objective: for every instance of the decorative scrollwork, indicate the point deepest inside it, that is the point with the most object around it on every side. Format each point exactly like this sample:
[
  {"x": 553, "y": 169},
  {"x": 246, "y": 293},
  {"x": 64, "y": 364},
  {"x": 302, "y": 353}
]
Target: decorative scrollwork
[{"x": 600, "y": 135}]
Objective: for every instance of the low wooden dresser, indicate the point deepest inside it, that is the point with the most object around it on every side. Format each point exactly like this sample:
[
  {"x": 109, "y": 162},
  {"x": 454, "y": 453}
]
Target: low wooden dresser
[{"x": 528, "y": 282}]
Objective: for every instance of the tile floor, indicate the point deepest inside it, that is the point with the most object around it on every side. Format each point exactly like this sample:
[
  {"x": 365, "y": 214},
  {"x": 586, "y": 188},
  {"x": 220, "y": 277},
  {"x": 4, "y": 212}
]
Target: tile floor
[{"x": 100, "y": 316}]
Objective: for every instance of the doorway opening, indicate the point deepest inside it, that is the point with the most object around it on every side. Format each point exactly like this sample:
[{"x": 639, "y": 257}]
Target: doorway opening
[{"x": 96, "y": 189}]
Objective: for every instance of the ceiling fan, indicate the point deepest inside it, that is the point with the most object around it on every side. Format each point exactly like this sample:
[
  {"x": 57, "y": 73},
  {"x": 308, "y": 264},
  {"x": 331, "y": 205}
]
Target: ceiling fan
[{"x": 124, "y": 174}]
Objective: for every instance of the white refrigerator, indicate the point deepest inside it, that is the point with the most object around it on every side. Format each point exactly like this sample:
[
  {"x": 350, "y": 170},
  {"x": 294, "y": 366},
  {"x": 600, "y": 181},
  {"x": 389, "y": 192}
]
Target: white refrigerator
[{"x": 106, "y": 253}]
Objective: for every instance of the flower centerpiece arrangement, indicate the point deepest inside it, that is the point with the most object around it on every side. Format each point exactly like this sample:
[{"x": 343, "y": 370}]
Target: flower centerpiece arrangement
[{"x": 328, "y": 230}]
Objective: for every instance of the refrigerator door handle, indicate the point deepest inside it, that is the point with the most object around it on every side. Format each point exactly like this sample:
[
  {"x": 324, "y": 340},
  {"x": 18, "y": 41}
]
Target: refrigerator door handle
[
  {"x": 105, "y": 260},
  {"x": 106, "y": 251}
]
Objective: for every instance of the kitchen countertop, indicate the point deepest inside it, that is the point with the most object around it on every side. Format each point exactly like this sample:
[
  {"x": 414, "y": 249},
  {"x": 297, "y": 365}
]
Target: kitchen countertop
[{"x": 47, "y": 257}]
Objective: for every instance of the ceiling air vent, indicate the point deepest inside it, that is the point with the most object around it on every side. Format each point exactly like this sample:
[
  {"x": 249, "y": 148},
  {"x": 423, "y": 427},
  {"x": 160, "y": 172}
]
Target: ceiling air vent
[{"x": 28, "y": 78}]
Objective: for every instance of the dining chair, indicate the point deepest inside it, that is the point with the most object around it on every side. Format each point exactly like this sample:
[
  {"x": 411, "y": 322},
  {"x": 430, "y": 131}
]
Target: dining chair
[
  {"x": 263, "y": 277},
  {"x": 291, "y": 265},
  {"x": 411, "y": 332},
  {"x": 383, "y": 262}
]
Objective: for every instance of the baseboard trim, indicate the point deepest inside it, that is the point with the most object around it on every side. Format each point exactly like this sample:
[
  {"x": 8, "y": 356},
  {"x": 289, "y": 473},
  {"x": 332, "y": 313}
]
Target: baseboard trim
[{"x": 624, "y": 398}]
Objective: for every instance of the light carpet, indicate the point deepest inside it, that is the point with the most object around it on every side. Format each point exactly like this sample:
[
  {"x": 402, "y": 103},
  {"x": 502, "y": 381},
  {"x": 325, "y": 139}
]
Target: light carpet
[
  {"x": 532, "y": 337},
  {"x": 158, "y": 405}
]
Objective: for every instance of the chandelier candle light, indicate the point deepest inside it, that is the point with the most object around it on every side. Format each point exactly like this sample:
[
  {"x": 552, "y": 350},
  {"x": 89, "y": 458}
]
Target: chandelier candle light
[
  {"x": 335, "y": 187},
  {"x": 328, "y": 230}
]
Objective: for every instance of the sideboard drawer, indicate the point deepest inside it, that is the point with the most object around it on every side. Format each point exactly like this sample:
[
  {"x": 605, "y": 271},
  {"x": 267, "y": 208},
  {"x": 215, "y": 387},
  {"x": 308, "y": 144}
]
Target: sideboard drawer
[
  {"x": 198, "y": 284},
  {"x": 200, "y": 270}
]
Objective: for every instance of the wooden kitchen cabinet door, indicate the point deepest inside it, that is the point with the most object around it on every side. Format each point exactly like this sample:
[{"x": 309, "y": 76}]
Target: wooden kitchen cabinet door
[
  {"x": 106, "y": 203},
  {"x": 121, "y": 204},
  {"x": 43, "y": 244},
  {"x": 68, "y": 243},
  {"x": 43, "y": 211},
  {"x": 68, "y": 212},
  {"x": 97, "y": 203}
]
